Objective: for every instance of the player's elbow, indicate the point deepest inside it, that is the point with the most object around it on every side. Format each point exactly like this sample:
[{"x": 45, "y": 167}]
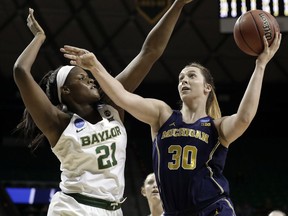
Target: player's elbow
[
  {"x": 18, "y": 70},
  {"x": 151, "y": 53},
  {"x": 246, "y": 118}
]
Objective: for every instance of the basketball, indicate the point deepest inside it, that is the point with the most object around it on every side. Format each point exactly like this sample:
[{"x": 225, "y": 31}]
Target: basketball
[{"x": 249, "y": 29}]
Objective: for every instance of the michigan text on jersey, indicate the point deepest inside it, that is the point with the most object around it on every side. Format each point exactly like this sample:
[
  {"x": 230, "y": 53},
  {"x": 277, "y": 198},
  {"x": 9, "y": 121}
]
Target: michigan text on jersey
[{"x": 185, "y": 132}]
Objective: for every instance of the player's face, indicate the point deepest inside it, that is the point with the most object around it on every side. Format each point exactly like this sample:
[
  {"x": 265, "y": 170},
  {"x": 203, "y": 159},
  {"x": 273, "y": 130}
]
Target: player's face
[
  {"x": 151, "y": 188},
  {"x": 191, "y": 83},
  {"x": 81, "y": 87}
]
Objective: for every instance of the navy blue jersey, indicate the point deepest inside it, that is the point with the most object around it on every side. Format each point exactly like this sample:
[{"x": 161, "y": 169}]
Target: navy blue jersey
[{"x": 188, "y": 161}]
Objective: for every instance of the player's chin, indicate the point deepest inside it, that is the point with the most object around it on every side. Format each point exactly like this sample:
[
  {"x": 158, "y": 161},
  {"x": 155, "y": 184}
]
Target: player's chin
[
  {"x": 98, "y": 98},
  {"x": 155, "y": 195},
  {"x": 95, "y": 94},
  {"x": 95, "y": 99},
  {"x": 185, "y": 96}
]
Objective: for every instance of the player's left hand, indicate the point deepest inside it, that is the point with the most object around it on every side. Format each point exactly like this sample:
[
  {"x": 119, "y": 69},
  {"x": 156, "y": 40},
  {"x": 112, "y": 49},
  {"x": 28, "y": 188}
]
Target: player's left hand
[{"x": 33, "y": 25}]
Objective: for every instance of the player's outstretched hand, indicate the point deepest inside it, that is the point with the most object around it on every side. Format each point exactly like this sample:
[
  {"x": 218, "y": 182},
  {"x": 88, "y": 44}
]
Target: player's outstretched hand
[
  {"x": 269, "y": 51},
  {"x": 80, "y": 57},
  {"x": 33, "y": 25}
]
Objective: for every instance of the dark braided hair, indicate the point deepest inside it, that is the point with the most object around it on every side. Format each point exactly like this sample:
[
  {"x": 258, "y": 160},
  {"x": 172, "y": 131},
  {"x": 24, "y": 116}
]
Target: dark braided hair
[{"x": 28, "y": 127}]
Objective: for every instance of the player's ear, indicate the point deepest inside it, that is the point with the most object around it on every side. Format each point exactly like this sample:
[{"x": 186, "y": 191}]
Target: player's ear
[
  {"x": 207, "y": 88},
  {"x": 65, "y": 90},
  {"x": 143, "y": 192}
]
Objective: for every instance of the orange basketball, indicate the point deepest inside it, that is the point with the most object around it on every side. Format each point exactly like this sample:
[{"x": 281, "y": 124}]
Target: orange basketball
[{"x": 249, "y": 30}]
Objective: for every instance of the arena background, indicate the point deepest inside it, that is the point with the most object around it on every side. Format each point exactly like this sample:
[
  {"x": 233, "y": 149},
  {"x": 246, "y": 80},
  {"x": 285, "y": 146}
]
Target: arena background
[{"x": 115, "y": 30}]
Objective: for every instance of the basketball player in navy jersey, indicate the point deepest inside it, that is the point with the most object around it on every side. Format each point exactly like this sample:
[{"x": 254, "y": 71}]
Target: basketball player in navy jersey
[{"x": 190, "y": 145}]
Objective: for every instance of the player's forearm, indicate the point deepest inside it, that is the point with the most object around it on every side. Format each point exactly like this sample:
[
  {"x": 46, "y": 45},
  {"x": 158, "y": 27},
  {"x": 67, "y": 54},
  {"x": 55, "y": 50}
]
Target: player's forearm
[
  {"x": 28, "y": 56},
  {"x": 250, "y": 101},
  {"x": 159, "y": 36},
  {"x": 111, "y": 86}
]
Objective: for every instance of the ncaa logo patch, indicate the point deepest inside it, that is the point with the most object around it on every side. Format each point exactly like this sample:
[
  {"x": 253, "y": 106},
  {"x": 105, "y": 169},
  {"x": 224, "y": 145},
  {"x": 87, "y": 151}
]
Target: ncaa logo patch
[
  {"x": 79, "y": 123},
  {"x": 204, "y": 120}
]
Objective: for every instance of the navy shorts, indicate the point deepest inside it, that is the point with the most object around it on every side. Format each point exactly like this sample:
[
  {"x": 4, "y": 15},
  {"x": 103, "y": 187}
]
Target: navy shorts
[{"x": 222, "y": 207}]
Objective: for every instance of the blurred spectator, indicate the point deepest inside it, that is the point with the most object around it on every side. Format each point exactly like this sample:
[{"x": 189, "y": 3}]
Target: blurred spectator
[
  {"x": 150, "y": 191},
  {"x": 277, "y": 213}
]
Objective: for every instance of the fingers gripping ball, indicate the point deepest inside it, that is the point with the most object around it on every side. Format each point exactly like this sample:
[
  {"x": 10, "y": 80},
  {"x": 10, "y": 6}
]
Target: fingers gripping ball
[{"x": 249, "y": 30}]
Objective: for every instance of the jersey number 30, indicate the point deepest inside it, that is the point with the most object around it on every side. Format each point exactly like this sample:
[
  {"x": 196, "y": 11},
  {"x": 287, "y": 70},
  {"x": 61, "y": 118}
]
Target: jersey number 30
[{"x": 184, "y": 157}]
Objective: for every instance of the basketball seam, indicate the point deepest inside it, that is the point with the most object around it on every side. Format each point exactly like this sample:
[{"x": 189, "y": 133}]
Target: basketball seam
[
  {"x": 242, "y": 36},
  {"x": 258, "y": 31}
]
